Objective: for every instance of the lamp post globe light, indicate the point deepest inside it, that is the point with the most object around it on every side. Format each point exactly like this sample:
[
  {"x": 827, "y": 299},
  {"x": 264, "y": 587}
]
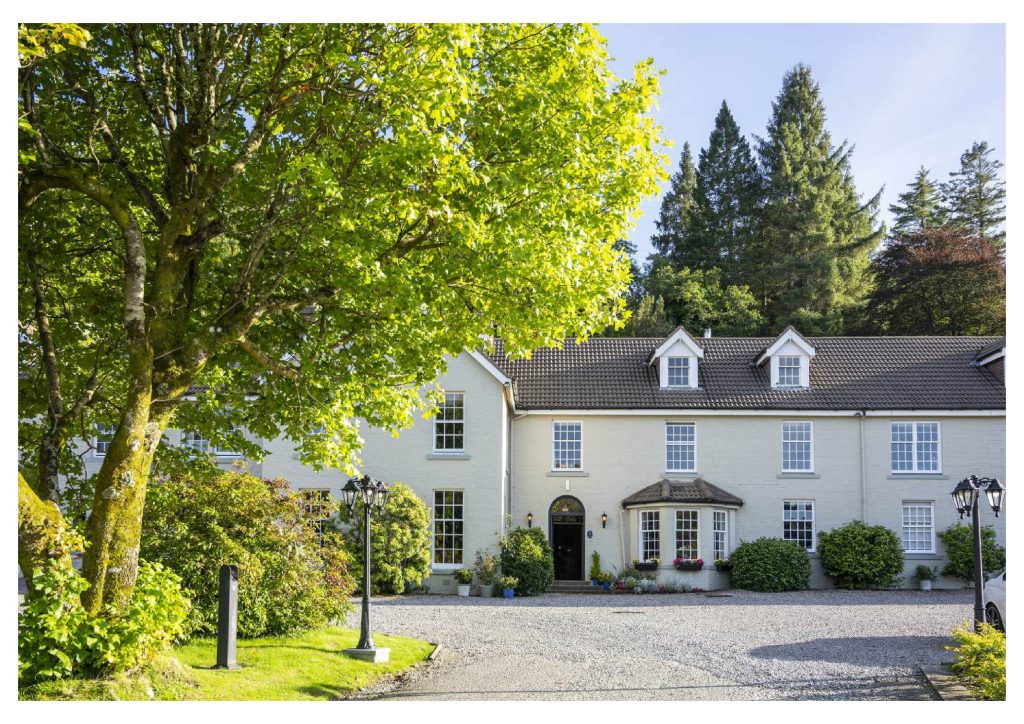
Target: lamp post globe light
[
  {"x": 373, "y": 494},
  {"x": 967, "y": 500}
]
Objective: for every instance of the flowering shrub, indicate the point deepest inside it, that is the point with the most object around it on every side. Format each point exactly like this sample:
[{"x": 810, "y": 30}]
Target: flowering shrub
[{"x": 981, "y": 661}]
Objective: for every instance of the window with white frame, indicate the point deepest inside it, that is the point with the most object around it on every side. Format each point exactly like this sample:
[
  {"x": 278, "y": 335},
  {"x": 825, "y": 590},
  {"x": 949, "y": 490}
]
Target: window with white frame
[
  {"x": 678, "y": 371},
  {"x": 796, "y": 447},
  {"x": 448, "y": 523},
  {"x": 687, "y": 534},
  {"x": 798, "y": 522},
  {"x": 449, "y": 425},
  {"x": 680, "y": 441},
  {"x": 720, "y": 533},
  {"x": 200, "y": 444},
  {"x": 918, "y": 527},
  {"x": 915, "y": 447},
  {"x": 316, "y": 506},
  {"x": 789, "y": 371},
  {"x": 650, "y": 534},
  {"x": 104, "y": 436},
  {"x": 567, "y": 446}
]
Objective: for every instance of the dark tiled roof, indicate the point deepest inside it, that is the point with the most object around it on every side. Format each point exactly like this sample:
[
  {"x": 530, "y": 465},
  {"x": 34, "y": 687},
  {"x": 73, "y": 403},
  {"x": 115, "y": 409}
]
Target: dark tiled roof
[
  {"x": 873, "y": 373},
  {"x": 697, "y": 490},
  {"x": 989, "y": 349}
]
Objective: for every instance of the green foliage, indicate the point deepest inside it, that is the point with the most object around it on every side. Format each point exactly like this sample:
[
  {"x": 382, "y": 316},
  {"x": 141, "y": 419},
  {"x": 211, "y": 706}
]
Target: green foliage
[
  {"x": 980, "y": 661},
  {"x": 975, "y": 195},
  {"x": 508, "y": 582},
  {"x": 526, "y": 556},
  {"x": 937, "y": 281},
  {"x": 464, "y": 576},
  {"x": 289, "y": 580},
  {"x": 486, "y": 567},
  {"x": 58, "y": 638},
  {"x": 697, "y": 299},
  {"x": 399, "y": 541},
  {"x": 926, "y": 573},
  {"x": 675, "y": 218},
  {"x": 858, "y": 555},
  {"x": 595, "y": 565},
  {"x": 770, "y": 564},
  {"x": 959, "y": 542},
  {"x": 918, "y": 208}
]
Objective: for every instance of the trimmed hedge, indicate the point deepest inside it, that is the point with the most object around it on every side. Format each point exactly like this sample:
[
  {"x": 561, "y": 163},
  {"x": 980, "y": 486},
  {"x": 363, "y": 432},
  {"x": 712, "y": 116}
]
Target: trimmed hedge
[
  {"x": 526, "y": 556},
  {"x": 960, "y": 551},
  {"x": 980, "y": 661},
  {"x": 770, "y": 564},
  {"x": 858, "y": 555}
]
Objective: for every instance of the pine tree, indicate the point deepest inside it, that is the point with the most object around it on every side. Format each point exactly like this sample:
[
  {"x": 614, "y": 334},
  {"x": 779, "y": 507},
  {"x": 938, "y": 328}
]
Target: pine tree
[
  {"x": 975, "y": 196},
  {"x": 919, "y": 207},
  {"x": 811, "y": 256},
  {"x": 675, "y": 219},
  {"x": 726, "y": 199}
]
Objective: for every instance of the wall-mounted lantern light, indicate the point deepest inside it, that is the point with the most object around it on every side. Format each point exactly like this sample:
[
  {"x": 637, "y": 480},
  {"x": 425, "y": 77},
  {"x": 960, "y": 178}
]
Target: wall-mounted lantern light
[
  {"x": 529, "y": 520},
  {"x": 604, "y": 520}
]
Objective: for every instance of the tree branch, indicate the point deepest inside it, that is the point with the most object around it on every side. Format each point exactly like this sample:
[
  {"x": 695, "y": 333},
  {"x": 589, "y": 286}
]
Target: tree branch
[{"x": 266, "y": 362}]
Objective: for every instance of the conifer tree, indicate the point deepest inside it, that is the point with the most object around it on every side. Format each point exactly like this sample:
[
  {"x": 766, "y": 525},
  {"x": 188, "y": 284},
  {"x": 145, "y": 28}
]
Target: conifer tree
[
  {"x": 676, "y": 214},
  {"x": 811, "y": 257},
  {"x": 726, "y": 199},
  {"x": 919, "y": 207},
  {"x": 975, "y": 196}
]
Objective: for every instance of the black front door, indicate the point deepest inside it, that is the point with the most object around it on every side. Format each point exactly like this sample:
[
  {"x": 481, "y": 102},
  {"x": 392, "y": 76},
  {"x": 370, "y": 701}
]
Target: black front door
[{"x": 566, "y": 518}]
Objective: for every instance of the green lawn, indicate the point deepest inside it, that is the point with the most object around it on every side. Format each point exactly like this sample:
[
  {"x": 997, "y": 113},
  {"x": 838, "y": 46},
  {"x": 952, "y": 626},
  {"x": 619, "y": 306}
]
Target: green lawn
[{"x": 306, "y": 667}]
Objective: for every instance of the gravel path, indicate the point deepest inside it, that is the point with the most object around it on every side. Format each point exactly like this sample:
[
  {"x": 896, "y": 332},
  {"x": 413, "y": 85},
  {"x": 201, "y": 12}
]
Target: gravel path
[{"x": 804, "y": 645}]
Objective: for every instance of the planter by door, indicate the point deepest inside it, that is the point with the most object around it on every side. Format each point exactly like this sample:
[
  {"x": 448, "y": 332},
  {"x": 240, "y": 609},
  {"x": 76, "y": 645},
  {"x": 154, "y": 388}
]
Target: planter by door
[
  {"x": 464, "y": 589},
  {"x": 925, "y": 585},
  {"x": 508, "y": 593},
  {"x": 486, "y": 591}
]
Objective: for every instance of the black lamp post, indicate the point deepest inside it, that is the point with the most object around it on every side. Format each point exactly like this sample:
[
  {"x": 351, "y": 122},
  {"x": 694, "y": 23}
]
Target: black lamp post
[
  {"x": 372, "y": 493},
  {"x": 967, "y": 498}
]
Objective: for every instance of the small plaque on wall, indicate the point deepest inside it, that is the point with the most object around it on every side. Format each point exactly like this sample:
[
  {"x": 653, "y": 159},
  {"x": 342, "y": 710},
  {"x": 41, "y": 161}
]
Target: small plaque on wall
[{"x": 590, "y": 534}]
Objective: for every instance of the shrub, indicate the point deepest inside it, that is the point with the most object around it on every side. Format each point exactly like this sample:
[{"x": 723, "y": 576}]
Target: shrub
[
  {"x": 464, "y": 576},
  {"x": 858, "y": 555},
  {"x": 486, "y": 567},
  {"x": 399, "y": 541},
  {"x": 595, "y": 565},
  {"x": 290, "y": 580},
  {"x": 980, "y": 661},
  {"x": 924, "y": 573},
  {"x": 526, "y": 556},
  {"x": 770, "y": 564},
  {"x": 959, "y": 543},
  {"x": 58, "y": 638},
  {"x": 508, "y": 582}
]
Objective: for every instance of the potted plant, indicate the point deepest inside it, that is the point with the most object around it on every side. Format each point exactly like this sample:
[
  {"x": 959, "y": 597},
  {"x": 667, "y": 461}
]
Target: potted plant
[
  {"x": 925, "y": 576},
  {"x": 595, "y": 568},
  {"x": 464, "y": 577},
  {"x": 508, "y": 584},
  {"x": 688, "y": 564},
  {"x": 486, "y": 567},
  {"x": 605, "y": 579},
  {"x": 722, "y": 565},
  {"x": 651, "y": 564}
]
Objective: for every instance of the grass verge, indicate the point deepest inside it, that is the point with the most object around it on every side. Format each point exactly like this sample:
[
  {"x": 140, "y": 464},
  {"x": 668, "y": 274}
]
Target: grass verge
[{"x": 307, "y": 667}]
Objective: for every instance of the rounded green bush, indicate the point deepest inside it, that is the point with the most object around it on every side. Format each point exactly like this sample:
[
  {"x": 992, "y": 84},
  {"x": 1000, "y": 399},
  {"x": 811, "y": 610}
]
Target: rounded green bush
[
  {"x": 960, "y": 551},
  {"x": 858, "y": 555},
  {"x": 526, "y": 556},
  {"x": 770, "y": 564}
]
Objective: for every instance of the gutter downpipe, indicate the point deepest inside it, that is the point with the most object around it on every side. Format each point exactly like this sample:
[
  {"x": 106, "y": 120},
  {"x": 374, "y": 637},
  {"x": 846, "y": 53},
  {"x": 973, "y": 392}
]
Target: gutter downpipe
[
  {"x": 863, "y": 471},
  {"x": 622, "y": 545},
  {"x": 510, "y": 400}
]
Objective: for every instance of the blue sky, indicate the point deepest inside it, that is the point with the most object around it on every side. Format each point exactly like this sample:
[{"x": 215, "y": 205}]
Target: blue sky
[{"x": 905, "y": 95}]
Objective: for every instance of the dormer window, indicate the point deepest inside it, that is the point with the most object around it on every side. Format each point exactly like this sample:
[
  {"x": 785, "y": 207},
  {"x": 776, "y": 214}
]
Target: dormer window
[
  {"x": 789, "y": 360},
  {"x": 789, "y": 371},
  {"x": 678, "y": 371},
  {"x": 676, "y": 361}
]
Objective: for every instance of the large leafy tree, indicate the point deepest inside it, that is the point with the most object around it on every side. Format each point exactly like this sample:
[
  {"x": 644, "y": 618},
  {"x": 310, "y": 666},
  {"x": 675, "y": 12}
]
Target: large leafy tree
[
  {"x": 975, "y": 195},
  {"x": 300, "y": 221},
  {"x": 727, "y": 196},
  {"x": 700, "y": 298},
  {"x": 811, "y": 255},
  {"x": 937, "y": 281},
  {"x": 919, "y": 207}
]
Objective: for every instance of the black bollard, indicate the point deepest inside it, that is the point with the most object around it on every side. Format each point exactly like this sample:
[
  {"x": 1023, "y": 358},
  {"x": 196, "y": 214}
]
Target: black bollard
[{"x": 227, "y": 618}]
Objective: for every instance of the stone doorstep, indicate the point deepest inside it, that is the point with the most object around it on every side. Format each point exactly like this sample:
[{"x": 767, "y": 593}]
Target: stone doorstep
[{"x": 946, "y": 684}]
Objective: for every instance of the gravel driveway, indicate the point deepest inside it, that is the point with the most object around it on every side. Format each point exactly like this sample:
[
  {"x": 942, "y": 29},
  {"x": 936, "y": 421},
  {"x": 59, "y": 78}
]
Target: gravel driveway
[{"x": 805, "y": 645}]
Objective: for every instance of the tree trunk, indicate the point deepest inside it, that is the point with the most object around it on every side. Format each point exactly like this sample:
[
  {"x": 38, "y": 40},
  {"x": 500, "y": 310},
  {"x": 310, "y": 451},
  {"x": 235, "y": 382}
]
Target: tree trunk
[{"x": 39, "y": 526}]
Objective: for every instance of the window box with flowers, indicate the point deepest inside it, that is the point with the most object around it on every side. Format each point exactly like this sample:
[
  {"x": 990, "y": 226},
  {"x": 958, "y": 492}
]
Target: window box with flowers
[
  {"x": 688, "y": 564},
  {"x": 722, "y": 565},
  {"x": 651, "y": 564}
]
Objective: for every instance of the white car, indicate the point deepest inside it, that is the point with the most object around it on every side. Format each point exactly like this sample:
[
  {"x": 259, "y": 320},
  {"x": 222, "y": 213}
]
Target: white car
[{"x": 994, "y": 593}]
